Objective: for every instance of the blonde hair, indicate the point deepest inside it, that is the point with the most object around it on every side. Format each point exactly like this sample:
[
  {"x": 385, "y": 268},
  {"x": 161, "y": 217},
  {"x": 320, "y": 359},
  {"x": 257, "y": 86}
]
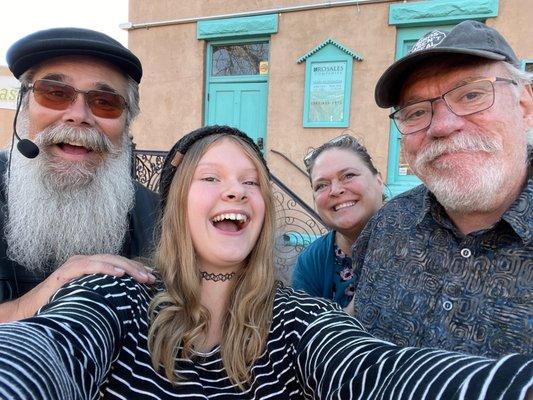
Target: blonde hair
[{"x": 177, "y": 315}]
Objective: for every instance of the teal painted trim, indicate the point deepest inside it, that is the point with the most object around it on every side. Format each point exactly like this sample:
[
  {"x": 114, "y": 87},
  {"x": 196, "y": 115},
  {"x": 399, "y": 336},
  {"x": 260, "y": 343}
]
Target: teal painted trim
[
  {"x": 330, "y": 52},
  {"x": 234, "y": 78},
  {"x": 432, "y": 12},
  {"x": 524, "y": 62},
  {"x": 397, "y": 183},
  {"x": 239, "y": 26},
  {"x": 291, "y": 238},
  {"x": 239, "y": 78},
  {"x": 394, "y": 189},
  {"x": 351, "y": 53}
]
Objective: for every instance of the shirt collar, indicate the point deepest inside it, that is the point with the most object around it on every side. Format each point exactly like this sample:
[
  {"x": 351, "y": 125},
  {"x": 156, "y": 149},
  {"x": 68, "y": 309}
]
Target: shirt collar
[
  {"x": 520, "y": 215},
  {"x": 431, "y": 208}
]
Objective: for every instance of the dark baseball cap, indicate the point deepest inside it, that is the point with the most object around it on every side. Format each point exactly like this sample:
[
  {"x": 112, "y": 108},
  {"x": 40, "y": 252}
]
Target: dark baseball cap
[
  {"x": 469, "y": 37},
  {"x": 50, "y": 43}
]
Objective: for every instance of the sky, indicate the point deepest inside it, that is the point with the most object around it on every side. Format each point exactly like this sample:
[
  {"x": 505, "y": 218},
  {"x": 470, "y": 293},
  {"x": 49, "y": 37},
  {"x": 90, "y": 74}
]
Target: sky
[{"x": 21, "y": 17}]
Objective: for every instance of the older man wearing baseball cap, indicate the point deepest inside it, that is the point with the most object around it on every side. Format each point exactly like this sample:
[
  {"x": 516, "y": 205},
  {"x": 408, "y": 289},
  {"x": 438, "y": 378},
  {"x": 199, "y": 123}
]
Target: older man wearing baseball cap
[
  {"x": 449, "y": 264},
  {"x": 68, "y": 204}
]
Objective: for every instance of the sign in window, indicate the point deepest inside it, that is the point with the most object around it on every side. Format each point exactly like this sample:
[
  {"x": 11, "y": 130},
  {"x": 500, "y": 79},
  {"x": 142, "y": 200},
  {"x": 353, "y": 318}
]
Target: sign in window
[{"x": 326, "y": 91}]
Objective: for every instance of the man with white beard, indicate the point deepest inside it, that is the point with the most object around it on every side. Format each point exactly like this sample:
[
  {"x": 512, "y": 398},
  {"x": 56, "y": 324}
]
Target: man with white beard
[
  {"x": 449, "y": 264},
  {"x": 74, "y": 209}
]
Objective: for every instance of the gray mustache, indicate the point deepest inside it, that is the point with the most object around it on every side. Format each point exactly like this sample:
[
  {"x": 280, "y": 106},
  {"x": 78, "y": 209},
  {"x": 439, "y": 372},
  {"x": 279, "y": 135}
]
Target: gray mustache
[
  {"x": 458, "y": 142},
  {"x": 88, "y": 137}
]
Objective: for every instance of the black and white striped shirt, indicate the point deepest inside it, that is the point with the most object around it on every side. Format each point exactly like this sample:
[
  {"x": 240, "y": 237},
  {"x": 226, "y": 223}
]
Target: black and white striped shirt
[{"x": 91, "y": 341}]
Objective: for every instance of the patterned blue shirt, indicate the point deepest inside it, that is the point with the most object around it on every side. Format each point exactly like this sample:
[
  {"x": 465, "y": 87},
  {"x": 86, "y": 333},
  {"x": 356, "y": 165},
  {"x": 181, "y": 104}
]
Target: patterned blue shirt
[{"x": 423, "y": 283}]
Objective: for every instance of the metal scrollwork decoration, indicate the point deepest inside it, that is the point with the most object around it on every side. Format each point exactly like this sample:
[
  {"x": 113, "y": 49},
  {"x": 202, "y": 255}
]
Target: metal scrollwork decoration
[
  {"x": 297, "y": 223},
  {"x": 147, "y": 165}
]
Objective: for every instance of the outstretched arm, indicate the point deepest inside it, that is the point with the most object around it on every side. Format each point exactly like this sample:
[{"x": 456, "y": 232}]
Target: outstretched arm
[
  {"x": 66, "y": 351},
  {"x": 75, "y": 267},
  {"x": 338, "y": 360}
]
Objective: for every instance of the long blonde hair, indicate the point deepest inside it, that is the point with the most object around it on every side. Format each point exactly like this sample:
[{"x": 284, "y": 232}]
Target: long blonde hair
[{"x": 177, "y": 315}]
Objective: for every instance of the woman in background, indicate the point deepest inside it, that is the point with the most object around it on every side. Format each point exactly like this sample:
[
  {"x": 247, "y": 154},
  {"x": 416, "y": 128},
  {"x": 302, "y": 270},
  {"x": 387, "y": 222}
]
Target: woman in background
[{"x": 347, "y": 190}]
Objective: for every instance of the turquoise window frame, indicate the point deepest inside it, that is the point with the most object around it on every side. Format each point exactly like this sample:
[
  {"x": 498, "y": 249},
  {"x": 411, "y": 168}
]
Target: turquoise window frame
[
  {"x": 231, "y": 78},
  {"x": 441, "y": 12},
  {"x": 525, "y": 62},
  {"x": 235, "y": 30},
  {"x": 257, "y": 25},
  {"x": 397, "y": 183},
  {"x": 413, "y": 20}
]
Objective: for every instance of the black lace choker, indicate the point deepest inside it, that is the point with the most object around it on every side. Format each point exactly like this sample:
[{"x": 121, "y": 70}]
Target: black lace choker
[{"x": 208, "y": 276}]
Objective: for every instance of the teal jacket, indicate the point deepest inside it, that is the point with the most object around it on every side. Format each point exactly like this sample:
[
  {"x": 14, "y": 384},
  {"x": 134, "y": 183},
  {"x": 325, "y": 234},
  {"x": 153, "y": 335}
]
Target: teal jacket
[{"x": 315, "y": 267}]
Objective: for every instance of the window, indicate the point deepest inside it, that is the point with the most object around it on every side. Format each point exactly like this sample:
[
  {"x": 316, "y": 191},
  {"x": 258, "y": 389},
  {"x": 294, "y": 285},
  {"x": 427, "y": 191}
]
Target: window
[
  {"x": 527, "y": 65},
  {"x": 240, "y": 59}
]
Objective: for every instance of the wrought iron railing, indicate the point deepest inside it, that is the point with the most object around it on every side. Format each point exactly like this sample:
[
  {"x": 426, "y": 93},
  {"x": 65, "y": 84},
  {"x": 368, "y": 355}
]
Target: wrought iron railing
[
  {"x": 298, "y": 224},
  {"x": 146, "y": 167}
]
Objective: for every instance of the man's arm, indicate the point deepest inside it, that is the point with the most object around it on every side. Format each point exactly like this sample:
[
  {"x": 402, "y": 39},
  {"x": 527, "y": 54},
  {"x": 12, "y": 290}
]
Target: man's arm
[{"x": 75, "y": 267}]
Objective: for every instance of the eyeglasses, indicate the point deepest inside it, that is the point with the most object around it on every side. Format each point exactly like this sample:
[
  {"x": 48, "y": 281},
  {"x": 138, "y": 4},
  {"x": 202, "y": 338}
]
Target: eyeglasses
[
  {"x": 59, "y": 96},
  {"x": 467, "y": 99},
  {"x": 313, "y": 153}
]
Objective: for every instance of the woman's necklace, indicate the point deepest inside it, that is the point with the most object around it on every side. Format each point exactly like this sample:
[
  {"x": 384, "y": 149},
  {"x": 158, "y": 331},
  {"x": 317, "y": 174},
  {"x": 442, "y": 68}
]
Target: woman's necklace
[{"x": 208, "y": 276}]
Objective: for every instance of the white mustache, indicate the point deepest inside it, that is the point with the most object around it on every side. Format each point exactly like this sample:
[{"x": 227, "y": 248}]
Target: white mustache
[
  {"x": 88, "y": 137},
  {"x": 458, "y": 142}
]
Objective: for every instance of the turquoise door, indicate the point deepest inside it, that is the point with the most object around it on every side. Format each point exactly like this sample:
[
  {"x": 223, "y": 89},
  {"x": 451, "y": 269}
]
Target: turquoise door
[
  {"x": 241, "y": 105},
  {"x": 237, "y": 86}
]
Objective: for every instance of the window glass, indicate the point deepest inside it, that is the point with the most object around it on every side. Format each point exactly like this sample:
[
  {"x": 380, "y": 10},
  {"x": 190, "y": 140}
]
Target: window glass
[
  {"x": 240, "y": 59},
  {"x": 403, "y": 167}
]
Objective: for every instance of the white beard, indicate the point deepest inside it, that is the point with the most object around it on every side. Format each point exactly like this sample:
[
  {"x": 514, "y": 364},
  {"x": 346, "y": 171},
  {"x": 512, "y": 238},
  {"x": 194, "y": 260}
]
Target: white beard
[
  {"x": 57, "y": 210},
  {"x": 461, "y": 188}
]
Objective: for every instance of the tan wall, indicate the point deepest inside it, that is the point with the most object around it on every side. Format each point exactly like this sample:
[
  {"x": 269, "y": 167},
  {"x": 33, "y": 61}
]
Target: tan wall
[
  {"x": 174, "y": 63},
  {"x": 515, "y": 23},
  {"x": 172, "y": 84},
  {"x": 298, "y": 33},
  {"x": 6, "y": 116}
]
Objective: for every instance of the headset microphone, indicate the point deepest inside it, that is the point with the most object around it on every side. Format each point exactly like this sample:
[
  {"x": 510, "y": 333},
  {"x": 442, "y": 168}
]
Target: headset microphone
[{"x": 25, "y": 146}]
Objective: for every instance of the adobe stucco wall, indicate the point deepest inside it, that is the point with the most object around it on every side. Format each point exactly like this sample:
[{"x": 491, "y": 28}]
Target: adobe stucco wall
[
  {"x": 172, "y": 91},
  {"x": 515, "y": 23},
  {"x": 363, "y": 30}
]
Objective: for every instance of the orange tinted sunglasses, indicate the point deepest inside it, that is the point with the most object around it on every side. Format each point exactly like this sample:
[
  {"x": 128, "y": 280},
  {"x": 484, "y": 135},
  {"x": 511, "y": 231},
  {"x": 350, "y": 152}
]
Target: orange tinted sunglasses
[{"x": 59, "y": 96}]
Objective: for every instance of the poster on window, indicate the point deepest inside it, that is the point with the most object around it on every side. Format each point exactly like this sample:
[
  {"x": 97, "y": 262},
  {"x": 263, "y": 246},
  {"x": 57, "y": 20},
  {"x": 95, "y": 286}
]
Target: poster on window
[{"x": 326, "y": 91}]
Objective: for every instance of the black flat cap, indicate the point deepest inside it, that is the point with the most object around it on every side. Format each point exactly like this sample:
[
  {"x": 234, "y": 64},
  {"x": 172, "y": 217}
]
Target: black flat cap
[
  {"x": 46, "y": 44},
  {"x": 469, "y": 37}
]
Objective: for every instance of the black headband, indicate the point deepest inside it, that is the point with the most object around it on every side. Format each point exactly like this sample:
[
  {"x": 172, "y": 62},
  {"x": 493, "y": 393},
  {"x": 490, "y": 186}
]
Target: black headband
[{"x": 176, "y": 153}]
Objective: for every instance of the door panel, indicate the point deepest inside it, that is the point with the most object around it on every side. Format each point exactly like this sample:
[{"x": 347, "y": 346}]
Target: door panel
[{"x": 241, "y": 105}]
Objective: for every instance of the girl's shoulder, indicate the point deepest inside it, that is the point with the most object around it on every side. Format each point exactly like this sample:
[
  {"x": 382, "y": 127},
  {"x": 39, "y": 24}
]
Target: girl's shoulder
[{"x": 290, "y": 301}]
